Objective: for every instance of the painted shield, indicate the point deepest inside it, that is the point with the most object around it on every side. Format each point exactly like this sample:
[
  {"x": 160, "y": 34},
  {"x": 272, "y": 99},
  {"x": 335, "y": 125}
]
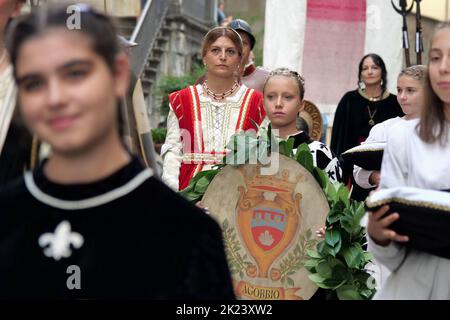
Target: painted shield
[{"x": 269, "y": 223}]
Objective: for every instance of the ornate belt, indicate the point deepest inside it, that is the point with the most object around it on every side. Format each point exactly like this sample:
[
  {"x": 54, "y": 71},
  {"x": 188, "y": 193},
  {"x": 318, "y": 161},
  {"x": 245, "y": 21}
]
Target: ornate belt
[{"x": 204, "y": 158}]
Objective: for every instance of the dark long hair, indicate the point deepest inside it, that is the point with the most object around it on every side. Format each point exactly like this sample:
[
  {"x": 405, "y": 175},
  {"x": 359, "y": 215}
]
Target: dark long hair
[
  {"x": 432, "y": 127},
  {"x": 98, "y": 27},
  {"x": 95, "y": 25},
  {"x": 379, "y": 62}
]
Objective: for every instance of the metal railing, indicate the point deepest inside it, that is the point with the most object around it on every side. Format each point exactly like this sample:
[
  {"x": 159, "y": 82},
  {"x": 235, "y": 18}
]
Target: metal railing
[{"x": 146, "y": 32}]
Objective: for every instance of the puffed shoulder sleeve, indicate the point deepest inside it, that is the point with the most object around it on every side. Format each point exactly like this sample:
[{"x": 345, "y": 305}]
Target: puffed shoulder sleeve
[{"x": 362, "y": 177}]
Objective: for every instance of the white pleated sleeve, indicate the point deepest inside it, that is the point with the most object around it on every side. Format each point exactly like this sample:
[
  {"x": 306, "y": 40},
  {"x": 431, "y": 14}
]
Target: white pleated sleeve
[{"x": 172, "y": 152}]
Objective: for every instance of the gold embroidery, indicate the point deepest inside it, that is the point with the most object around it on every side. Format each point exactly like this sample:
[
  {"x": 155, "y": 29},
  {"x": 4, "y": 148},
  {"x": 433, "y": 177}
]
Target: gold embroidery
[{"x": 424, "y": 204}]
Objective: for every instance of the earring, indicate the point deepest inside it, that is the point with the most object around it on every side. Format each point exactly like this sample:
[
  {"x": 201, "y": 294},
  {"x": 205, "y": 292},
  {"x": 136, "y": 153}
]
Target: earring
[
  {"x": 381, "y": 82},
  {"x": 237, "y": 72},
  {"x": 361, "y": 85}
]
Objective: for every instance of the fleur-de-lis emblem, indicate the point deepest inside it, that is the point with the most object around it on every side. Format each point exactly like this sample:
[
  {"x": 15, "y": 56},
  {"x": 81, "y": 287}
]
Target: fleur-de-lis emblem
[{"x": 57, "y": 245}]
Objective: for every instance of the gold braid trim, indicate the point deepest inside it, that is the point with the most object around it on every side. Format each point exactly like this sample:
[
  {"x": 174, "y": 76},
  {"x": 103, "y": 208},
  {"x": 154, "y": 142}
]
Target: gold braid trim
[
  {"x": 385, "y": 95},
  {"x": 424, "y": 204},
  {"x": 365, "y": 150}
]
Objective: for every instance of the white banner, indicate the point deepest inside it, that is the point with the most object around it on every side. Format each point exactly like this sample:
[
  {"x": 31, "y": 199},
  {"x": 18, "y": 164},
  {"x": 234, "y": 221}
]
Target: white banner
[
  {"x": 284, "y": 44},
  {"x": 384, "y": 37},
  {"x": 284, "y": 34}
]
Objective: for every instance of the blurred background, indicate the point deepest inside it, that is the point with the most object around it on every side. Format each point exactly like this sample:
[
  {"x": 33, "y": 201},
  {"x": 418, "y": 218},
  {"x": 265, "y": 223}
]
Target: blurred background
[{"x": 169, "y": 35}]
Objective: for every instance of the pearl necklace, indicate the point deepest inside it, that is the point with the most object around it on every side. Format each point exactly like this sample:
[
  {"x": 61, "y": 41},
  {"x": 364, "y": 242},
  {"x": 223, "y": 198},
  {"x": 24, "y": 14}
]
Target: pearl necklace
[
  {"x": 375, "y": 99},
  {"x": 219, "y": 96},
  {"x": 372, "y": 99}
]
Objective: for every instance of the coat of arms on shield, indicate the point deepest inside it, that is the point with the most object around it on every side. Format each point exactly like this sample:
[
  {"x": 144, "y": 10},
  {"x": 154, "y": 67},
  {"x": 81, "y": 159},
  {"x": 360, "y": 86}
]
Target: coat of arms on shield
[{"x": 268, "y": 223}]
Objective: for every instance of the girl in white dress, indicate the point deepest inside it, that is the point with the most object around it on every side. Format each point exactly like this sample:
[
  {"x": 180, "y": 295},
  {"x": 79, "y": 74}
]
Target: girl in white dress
[
  {"x": 284, "y": 91},
  {"x": 417, "y": 155},
  {"x": 411, "y": 88}
]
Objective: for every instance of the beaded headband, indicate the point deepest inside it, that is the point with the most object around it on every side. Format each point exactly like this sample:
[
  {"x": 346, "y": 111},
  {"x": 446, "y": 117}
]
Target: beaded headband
[
  {"x": 289, "y": 73},
  {"x": 224, "y": 28},
  {"x": 417, "y": 72}
]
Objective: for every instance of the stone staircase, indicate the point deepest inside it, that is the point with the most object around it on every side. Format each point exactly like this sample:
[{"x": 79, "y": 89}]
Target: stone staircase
[
  {"x": 169, "y": 39},
  {"x": 152, "y": 66}
]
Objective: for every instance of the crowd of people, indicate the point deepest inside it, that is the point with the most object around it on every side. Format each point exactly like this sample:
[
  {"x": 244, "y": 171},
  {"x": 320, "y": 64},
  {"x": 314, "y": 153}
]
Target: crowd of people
[{"x": 91, "y": 202}]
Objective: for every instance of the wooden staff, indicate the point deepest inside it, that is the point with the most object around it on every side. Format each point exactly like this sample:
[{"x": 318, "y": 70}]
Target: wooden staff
[
  {"x": 403, "y": 11},
  {"x": 419, "y": 37},
  {"x": 143, "y": 128}
]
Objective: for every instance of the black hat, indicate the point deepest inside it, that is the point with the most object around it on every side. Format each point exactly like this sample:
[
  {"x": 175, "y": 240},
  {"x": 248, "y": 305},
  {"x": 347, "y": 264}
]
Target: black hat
[{"x": 242, "y": 25}]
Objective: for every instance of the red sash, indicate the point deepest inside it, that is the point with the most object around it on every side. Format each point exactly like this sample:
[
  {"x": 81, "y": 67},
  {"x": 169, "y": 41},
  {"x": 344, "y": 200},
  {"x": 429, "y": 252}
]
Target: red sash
[{"x": 186, "y": 106}]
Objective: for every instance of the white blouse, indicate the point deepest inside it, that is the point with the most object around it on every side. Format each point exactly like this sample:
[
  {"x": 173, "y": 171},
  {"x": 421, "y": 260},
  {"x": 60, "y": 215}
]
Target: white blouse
[
  {"x": 408, "y": 161},
  {"x": 378, "y": 133}
]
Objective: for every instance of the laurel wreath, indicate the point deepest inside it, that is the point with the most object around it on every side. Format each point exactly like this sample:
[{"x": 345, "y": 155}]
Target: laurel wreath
[
  {"x": 296, "y": 259},
  {"x": 339, "y": 260},
  {"x": 237, "y": 262}
]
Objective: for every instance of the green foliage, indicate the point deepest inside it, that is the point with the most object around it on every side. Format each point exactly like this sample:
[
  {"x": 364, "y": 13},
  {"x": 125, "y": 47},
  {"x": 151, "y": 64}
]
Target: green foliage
[
  {"x": 159, "y": 135},
  {"x": 247, "y": 147},
  {"x": 338, "y": 261},
  {"x": 286, "y": 147},
  {"x": 169, "y": 84},
  {"x": 198, "y": 185},
  {"x": 305, "y": 158},
  {"x": 243, "y": 146},
  {"x": 296, "y": 260},
  {"x": 238, "y": 263}
]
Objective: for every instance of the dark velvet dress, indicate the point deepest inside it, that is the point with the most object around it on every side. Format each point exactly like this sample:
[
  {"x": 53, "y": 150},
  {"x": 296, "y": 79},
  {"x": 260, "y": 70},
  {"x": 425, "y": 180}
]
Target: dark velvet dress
[
  {"x": 15, "y": 156},
  {"x": 127, "y": 236},
  {"x": 351, "y": 126}
]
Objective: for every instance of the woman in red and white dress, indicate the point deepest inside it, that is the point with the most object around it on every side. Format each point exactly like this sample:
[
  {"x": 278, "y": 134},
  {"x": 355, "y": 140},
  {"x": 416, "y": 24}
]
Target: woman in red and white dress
[{"x": 203, "y": 117}]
